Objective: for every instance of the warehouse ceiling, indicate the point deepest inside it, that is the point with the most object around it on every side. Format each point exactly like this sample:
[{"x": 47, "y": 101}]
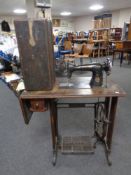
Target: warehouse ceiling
[{"x": 76, "y": 7}]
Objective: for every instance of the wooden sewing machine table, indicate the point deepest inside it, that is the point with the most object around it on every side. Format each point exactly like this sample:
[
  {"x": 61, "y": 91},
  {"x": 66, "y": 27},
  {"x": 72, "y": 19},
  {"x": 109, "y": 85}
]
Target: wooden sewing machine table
[{"x": 104, "y": 112}]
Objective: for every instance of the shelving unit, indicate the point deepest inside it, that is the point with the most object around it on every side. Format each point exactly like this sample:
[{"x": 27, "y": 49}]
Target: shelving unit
[
  {"x": 115, "y": 34},
  {"x": 102, "y": 21},
  {"x": 107, "y": 34},
  {"x": 99, "y": 34}
]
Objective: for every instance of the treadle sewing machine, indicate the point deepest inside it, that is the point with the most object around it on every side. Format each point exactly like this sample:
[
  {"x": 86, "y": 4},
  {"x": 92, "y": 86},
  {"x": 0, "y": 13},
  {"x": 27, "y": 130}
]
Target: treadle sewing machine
[
  {"x": 96, "y": 69},
  {"x": 43, "y": 92}
]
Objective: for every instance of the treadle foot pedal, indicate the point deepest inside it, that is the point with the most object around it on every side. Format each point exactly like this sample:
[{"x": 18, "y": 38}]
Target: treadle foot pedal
[{"x": 77, "y": 145}]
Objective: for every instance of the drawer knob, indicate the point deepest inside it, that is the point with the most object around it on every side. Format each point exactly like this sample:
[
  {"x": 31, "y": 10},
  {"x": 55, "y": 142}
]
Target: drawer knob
[{"x": 37, "y": 105}]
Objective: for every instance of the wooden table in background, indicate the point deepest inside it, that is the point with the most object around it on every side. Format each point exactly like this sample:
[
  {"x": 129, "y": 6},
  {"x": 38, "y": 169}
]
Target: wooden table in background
[
  {"x": 99, "y": 42},
  {"x": 77, "y": 56},
  {"x": 122, "y": 47},
  {"x": 121, "y": 51}
]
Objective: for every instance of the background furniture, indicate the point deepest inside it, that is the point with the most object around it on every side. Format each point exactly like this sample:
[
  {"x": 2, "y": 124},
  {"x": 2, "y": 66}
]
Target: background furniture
[
  {"x": 122, "y": 47},
  {"x": 102, "y": 21},
  {"x": 125, "y": 31},
  {"x": 129, "y": 31},
  {"x": 115, "y": 34},
  {"x": 100, "y": 34}
]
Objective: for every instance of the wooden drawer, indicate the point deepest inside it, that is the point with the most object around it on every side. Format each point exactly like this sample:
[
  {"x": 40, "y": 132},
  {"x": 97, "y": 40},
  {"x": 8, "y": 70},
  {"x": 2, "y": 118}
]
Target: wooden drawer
[
  {"x": 38, "y": 105},
  {"x": 119, "y": 45}
]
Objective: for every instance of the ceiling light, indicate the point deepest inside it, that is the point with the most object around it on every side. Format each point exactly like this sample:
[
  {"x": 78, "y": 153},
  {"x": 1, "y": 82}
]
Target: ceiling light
[
  {"x": 96, "y": 7},
  {"x": 19, "y": 11},
  {"x": 65, "y": 13}
]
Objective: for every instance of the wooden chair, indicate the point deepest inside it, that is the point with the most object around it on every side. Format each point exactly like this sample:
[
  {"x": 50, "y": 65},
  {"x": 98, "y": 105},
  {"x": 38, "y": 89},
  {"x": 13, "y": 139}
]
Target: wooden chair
[
  {"x": 67, "y": 48},
  {"x": 68, "y": 45},
  {"x": 87, "y": 49},
  {"x": 95, "y": 52},
  {"x": 104, "y": 49}
]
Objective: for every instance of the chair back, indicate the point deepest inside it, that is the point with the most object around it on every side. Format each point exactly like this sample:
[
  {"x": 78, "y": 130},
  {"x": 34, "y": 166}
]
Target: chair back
[
  {"x": 86, "y": 49},
  {"x": 77, "y": 48},
  {"x": 67, "y": 45}
]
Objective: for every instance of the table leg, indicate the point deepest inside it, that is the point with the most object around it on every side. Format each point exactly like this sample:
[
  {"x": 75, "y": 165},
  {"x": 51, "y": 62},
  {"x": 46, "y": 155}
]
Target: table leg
[
  {"x": 107, "y": 103},
  {"x": 108, "y": 140},
  {"x": 121, "y": 59},
  {"x": 106, "y": 123},
  {"x": 81, "y": 61},
  {"x": 54, "y": 128},
  {"x": 113, "y": 57},
  {"x": 112, "y": 121}
]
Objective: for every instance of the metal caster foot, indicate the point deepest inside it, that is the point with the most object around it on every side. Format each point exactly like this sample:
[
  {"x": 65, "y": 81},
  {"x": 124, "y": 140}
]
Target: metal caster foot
[
  {"x": 54, "y": 158},
  {"x": 94, "y": 145},
  {"x": 108, "y": 159}
]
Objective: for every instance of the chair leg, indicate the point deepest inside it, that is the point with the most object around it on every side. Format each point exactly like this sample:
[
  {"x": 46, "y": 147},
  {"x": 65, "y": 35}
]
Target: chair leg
[
  {"x": 90, "y": 59},
  {"x": 93, "y": 54}
]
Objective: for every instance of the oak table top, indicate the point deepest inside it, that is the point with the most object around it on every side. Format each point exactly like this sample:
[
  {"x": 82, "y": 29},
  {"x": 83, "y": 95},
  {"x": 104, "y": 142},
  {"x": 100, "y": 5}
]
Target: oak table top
[{"x": 77, "y": 87}]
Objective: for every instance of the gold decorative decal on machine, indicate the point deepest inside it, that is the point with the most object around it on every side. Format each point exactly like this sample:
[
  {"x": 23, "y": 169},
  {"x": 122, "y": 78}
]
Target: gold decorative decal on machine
[
  {"x": 97, "y": 79},
  {"x": 31, "y": 40}
]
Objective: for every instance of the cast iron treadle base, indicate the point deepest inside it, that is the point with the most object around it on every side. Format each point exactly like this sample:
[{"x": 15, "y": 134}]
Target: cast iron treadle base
[{"x": 77, "y": 145}]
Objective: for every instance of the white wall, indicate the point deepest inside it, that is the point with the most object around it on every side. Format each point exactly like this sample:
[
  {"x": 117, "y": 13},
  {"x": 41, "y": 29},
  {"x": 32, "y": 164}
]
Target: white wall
[
  {"x": 125, "y": 15},
  {"x": 115, "y": 18},
  {"x": 66, "y": 24},
  {"x": 83, "y": 23},
  {"x": 118, "y": 18}
]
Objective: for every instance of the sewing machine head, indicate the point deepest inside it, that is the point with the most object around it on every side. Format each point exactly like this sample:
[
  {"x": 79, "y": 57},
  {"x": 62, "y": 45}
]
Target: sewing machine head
[
  {"x": 107, "y": 66},
  {"x": 96, "y": 69}
]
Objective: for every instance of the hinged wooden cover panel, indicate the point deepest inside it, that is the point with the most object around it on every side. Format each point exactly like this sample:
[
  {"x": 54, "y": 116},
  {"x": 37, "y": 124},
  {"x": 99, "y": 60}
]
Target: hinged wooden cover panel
[{"x": 35, "y": 43}]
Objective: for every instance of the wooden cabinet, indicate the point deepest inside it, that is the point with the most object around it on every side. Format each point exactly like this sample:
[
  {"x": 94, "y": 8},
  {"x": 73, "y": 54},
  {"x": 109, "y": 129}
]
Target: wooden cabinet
[
  {"x": 115, "y": 34},
  {"x": 123, "y": 45}
]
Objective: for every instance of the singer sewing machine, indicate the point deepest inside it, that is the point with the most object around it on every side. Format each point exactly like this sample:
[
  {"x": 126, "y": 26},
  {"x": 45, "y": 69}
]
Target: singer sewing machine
[
  {"x": 47, "y": 94},
  {"x": 96, "y": 69}
]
